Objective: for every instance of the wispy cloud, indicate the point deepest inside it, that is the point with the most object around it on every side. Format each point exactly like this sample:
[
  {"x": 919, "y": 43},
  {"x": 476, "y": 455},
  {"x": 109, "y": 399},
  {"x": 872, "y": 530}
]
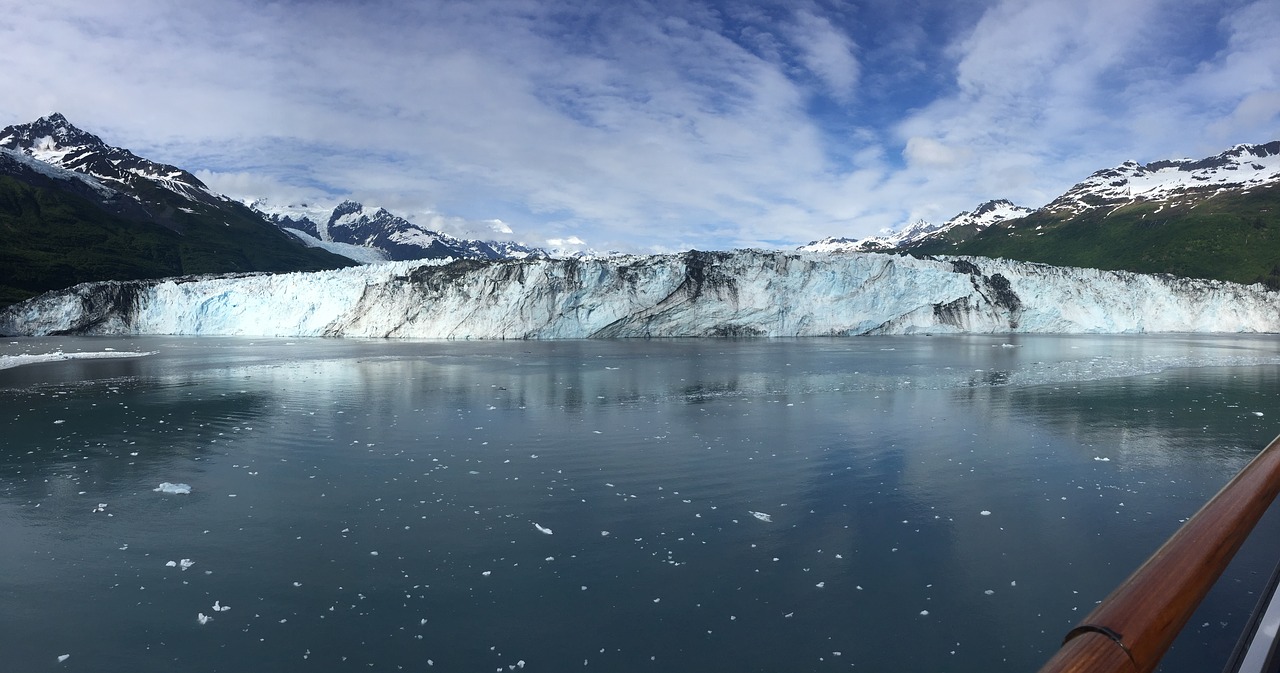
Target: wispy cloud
[{"x": 651, "y": 125}]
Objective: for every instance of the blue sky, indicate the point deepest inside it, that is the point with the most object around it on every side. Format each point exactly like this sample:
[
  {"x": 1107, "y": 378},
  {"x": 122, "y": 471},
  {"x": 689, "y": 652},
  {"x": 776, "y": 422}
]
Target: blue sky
[{"x": 651, "y": 126}]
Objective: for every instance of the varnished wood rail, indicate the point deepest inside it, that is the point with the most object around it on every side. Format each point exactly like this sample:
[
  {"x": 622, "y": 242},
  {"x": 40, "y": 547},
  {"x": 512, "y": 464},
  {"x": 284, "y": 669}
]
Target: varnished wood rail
[{"x": 1133, "y": 627}]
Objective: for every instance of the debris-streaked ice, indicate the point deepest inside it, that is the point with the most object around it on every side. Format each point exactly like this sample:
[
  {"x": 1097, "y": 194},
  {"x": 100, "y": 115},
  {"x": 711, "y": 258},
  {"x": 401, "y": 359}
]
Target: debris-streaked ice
[
  {"x": 748, "y": 292},
  {"x": 761, "y": 516}
]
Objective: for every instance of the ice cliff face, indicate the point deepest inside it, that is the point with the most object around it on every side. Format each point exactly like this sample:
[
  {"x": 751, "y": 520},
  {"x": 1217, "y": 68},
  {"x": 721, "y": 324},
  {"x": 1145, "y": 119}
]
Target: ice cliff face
[{"x": 742, "y": 293}]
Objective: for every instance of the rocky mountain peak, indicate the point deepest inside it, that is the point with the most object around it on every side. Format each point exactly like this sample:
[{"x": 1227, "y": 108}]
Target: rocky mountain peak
[{"x": 55, "y": 127}]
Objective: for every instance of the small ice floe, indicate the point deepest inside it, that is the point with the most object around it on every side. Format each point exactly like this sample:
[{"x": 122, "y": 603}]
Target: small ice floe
[
  {"x": 59, "y": 422},
  {"x": 219, "y": 607},
  {"x": 789, "y": 615},
  {"x": 604, "y": 533},
  {"x": 924, "y": 613},
  {"x": 166, "y": 487},
  {"x": 102, "y": 507},
  {"x": 1101, "y": 459},
  {"x": 1257, "y": 413},
  {"x": 63, "y": 657},
  {"x": 486, "y": 573},
  {"x": 985, "y": 512},
  {"x": 203, "y": 618},
  {"x": 989, "y": 592},
  {"x": 761, "y": 516},
  {"x": 820, "y": 584},
  {"x": 541, "y": 528}
]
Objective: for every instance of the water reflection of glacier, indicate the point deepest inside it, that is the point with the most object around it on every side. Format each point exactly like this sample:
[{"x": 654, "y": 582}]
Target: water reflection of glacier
[{"x": 910, "y": 492}]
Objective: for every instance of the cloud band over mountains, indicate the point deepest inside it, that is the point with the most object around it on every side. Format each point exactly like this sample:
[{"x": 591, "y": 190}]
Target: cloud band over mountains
[{"x": 652, "y": 126}]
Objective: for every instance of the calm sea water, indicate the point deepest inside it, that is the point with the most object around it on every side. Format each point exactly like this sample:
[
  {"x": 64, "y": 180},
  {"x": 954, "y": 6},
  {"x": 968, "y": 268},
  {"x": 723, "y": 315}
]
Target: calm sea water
[{"x": 874, "y": 504}]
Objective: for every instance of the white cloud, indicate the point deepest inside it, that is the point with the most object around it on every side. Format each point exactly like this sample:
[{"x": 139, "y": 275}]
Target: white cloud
[
  {"x": 826, "y": 52},
  {"x": 928, "y": 153},
  {"x": 641, "y": 127}
]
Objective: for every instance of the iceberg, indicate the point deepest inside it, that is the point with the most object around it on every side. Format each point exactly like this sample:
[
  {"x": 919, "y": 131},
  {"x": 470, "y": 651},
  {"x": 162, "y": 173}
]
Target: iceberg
[{"x": 692, "y": 294}]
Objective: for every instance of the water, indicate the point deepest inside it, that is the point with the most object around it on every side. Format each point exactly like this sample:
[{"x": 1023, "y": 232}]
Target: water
[{"x": 924, "y": 504}]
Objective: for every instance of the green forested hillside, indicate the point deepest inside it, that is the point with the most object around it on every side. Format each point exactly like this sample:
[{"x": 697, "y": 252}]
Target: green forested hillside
[
  {"x": 1233, "y": 237},
  {"x": 53, "y": 238}
]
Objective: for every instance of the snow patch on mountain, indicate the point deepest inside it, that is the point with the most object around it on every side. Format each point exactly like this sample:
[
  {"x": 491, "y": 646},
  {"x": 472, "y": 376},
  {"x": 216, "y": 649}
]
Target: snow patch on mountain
[
  {"x": 55, "y": 171},
  {"x": 1179, "y": 181},
  {"x": 354, "y": 226},
  {"x": 55, "y": 141},
  {"x": 741, "y": 293},
  {"x": 978, "y": 219},
  {"x": 357, "y": 253}
]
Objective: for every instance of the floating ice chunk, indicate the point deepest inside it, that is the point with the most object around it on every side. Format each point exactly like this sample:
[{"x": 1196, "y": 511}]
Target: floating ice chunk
[
  {"x": 542, "y": 529},
  {"x": 604, "y": 533},
  {"x": 487, "y": 573},
  {"x": 171, "y": 564},
  {"x": 63, "y": 657},
  {"x": 186, "y": 563},
  {"x": 1100, "y": 459},
  {"x": 219, "y": 607},
  {"x": 102, "y": 507},
  {"x": 789, "y": 615},
  {"x": 820, "y": 584},
  {"x": 989, "y": 592},
  {"x": 297, "y": 584},
  {"x": 203, "y": 618},
  {"x": 59, "y": 422},
  {"x": 761, "y": 516},
  {"x": 166, "y": 487},
  {"x": 985, "y": 512},
  {"x": 1257, "y": 413},
  {"x": 924, "y": 613}
]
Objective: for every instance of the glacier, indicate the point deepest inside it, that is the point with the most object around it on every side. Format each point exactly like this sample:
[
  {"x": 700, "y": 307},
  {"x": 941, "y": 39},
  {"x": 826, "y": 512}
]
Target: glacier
[{"x": 691, "y": 294}]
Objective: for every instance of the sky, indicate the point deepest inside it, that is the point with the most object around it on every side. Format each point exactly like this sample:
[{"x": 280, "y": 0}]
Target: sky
[{"x": 650, "y": 126}]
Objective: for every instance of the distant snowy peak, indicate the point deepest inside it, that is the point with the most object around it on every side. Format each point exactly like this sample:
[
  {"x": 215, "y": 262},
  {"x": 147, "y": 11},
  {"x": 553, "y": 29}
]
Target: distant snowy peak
[
  {"x": 55, "y": 141},
  {"x": 1181, "y": 181},
  {"x": 980, "y": 218},
  {"x": 352, "y": 226},
  {"x": 988, "y": 214}
]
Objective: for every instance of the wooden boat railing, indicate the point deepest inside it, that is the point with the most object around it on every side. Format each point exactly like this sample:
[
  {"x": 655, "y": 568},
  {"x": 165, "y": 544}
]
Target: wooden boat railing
[{"x": 1133, "y": 627}]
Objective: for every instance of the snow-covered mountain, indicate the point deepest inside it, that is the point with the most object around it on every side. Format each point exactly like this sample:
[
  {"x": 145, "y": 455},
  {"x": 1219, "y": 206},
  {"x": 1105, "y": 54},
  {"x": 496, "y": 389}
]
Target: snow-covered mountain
[
  {"x": 366, "y": 234},
  {"x": 916, "y": 233},
  {"x": 743, "y": 293},
  {"x": 1178, "y": 182},
  {"x": 55, "y": 141},
  {"x": 351, "y": 230}
]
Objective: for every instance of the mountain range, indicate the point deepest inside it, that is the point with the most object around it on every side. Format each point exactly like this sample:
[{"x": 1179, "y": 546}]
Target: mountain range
[
  {"x": 376, "y": 234},
  {"x": 1217, "y": 217},
  {"x": 74, "y": 208}
]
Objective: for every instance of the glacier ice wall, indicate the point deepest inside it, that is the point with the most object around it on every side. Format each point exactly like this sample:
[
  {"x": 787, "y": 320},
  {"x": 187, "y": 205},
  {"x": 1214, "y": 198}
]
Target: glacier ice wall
[{"x": 740, "y": 293}]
